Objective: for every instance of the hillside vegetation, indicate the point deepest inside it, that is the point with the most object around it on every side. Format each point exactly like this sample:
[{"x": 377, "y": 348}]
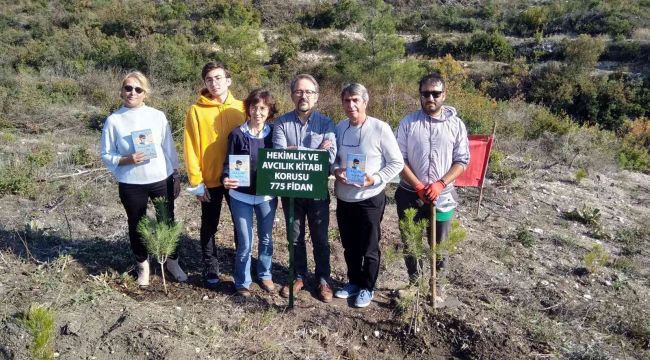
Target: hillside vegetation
[{"x": 567, "y": 83}]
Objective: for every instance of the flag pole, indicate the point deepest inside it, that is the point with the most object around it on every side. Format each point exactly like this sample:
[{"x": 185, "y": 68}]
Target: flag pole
[
  {"x": 480, "y": 194},
  {"x": 290, "y": 236}
]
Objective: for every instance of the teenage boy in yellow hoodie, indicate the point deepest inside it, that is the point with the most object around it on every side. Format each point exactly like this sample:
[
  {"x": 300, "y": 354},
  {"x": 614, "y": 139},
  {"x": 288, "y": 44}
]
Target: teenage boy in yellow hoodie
[{"x": 207, "y": 126}]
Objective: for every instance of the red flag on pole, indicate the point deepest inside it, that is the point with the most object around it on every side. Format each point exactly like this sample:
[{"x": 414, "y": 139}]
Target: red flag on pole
[{"x": 479, "y": 150}]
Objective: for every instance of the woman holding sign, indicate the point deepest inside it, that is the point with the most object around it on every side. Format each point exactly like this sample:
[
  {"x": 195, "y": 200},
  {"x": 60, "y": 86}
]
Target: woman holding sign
[
  {"x": 367, "y": 159},
  {"x": 239, "y": 176},
  {"x": 138, "y": 149}
]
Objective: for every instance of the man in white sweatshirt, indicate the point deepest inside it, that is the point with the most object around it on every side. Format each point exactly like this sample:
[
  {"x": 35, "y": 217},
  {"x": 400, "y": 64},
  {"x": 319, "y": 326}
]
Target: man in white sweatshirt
[{"x": 360, "y": 206}]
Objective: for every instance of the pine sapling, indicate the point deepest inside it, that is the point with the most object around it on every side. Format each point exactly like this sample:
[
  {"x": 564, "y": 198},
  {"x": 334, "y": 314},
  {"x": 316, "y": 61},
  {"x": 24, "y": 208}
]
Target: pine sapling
[
  {"x": 161, "y": 236},
  {"x": 413, "y": 234},
  {"x": 456, "y": 236},
  {"x": 40, "y": 323}
]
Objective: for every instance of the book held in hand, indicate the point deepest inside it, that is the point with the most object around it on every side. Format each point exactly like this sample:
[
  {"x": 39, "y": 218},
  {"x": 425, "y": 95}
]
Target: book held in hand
[
  {"x": 240, "y": 169},
  {"x": 143, "y": 141},
  {"x": 355, "y": 169}
]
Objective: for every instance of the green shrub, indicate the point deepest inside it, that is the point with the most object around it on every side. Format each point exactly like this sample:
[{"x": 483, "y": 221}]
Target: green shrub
[
  {"x": 552, "y": 86},
  {"x": 491, "y": 46},
  {"x": 596, "y": 258},
  {"x": 563, "y": 240},
  {"x": 580, "y": 174},
  {"x": 311, "y": 41},
  {"x": 583, "y": 52},
  {"x": 633, "y": 240},
  {"x": 41, "y": 157},
  {"x": 113, "y": 51},
  {"x": 17, "y": 180},
  {"x": 543, "y": 121},
  {"x": 5, "y": 124},
  {"x": 232, "y": 12},
  {"x": 525, "y": 237},
  {"x": 532, "y": 20},
  {"x": 586, "y": 215},
  {"x": 175, "y": 108},
  {"x": 477, "y": 110},
  {"x": 626, "y": 50},
  {"x": 599, "y": 21},
  {"x": 374, "y": 56},
  {"x": 633, "y": 157},
  {"x": 638, "y": 132},
  {"x": 63, "y": 91},
  {"x": 286, "y": 50},
  {"x": 36, "y": 54},
  {"x": 128, "y": 20},
  {"x": 450, "y": 18},
  {"x": 339, "y": 15},
  {"x": 498, "y": 169},
  {"x": 584, "y": 147},
  {"x": 40, "y": 323},
  {"x": 244, "y": 51},
  {"x": 169, "y": 58},
  {"x": 80, "y": 156}
]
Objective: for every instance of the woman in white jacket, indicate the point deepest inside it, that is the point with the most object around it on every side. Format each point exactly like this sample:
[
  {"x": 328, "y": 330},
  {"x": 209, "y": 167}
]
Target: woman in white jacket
[{"x": 138, "y": 149}]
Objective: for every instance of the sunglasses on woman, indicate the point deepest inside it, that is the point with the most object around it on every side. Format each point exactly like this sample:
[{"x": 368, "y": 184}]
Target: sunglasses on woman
[{"x": 129, "y": 88}]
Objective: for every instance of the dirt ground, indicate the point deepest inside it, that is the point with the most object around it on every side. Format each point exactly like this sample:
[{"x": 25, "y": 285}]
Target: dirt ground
[{"x": 520, "y": 278}]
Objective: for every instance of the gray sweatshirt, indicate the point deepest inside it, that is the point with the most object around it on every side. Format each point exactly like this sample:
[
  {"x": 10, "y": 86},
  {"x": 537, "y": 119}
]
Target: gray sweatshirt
[
  {"x": 430, "y": 146},
  {"x": 374, "y": 139}
]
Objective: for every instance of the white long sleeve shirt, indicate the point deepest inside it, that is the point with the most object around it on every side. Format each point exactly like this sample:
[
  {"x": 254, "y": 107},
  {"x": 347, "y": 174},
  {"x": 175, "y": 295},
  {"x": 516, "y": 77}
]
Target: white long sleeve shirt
[
  {"x": 116, "y": 142},
  {"x": 375, "y": 139}
]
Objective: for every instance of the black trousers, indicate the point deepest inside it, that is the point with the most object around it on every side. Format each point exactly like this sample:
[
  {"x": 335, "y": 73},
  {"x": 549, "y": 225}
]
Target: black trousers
[
  {"x": 135, "y": 198},
  {"x": 316, "y": 212},
  {"x": 360, "y": 228},
  {"x": 405, "y": 199},
  {"x": 210, "y": 215}
]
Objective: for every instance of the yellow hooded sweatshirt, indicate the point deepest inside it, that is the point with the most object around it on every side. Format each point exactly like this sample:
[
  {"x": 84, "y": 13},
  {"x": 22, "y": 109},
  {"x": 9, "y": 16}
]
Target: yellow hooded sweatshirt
[{"x": 207, "y": 126}]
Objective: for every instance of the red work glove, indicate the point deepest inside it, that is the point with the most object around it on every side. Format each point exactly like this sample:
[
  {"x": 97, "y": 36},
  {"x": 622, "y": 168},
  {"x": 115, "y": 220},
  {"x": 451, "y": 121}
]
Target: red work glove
[
  {"x": 420, "y": 189},
  {"x": 432, "y": 191}
]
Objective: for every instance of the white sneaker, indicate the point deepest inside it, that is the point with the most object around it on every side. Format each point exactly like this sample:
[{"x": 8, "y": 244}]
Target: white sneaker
[
  {"x": 143, "y": 273},
  {"x": 175, "y": 270}
]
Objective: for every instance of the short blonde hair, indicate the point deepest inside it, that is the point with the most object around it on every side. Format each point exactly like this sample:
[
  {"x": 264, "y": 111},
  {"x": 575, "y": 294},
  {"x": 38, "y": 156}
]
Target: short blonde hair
[{"x": 144, "y": 82}]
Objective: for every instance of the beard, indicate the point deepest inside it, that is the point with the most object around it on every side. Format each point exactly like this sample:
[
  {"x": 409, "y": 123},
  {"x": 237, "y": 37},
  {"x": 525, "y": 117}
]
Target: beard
[
  {"x": 303, "y": 107},
  {"x": 431, "y": 108}
]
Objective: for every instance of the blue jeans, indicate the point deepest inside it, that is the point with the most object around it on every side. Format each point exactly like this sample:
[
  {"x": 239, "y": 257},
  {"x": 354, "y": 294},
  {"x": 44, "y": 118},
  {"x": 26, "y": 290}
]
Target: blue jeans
[{"x": 242, "y": 214}]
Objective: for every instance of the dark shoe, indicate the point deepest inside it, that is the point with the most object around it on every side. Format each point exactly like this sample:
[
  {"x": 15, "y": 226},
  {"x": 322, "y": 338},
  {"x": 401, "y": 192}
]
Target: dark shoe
[
  {"x": 243, "y": 292},
  {"x": 211, "y": 280},
  {"x": 267, "y": 285},
  {"x": 325, "y": 293},
  {"x": 297, "y": 286}
]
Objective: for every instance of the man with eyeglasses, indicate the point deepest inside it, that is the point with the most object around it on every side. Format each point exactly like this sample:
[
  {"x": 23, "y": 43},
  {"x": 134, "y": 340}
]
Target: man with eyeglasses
[
  {"x": 207, "y": 126},
  {"x": 360, "y": 207},
  {"x": 304, "y": 128},
  {"x": 434, "y": 144}
]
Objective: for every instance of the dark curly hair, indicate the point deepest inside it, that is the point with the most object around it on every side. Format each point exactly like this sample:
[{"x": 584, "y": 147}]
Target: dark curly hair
[{"x": 261, "y": 95}]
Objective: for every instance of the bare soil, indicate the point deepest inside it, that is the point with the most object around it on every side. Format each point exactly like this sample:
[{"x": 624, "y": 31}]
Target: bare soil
[{"x": 520, "y": 279}]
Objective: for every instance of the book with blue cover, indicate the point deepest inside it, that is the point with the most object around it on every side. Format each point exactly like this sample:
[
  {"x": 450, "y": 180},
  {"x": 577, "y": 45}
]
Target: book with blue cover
[
  {"x": 143, "y": 142},
  {"x": 355, "y": 169},
  {"x": 240, "y": 169}
]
